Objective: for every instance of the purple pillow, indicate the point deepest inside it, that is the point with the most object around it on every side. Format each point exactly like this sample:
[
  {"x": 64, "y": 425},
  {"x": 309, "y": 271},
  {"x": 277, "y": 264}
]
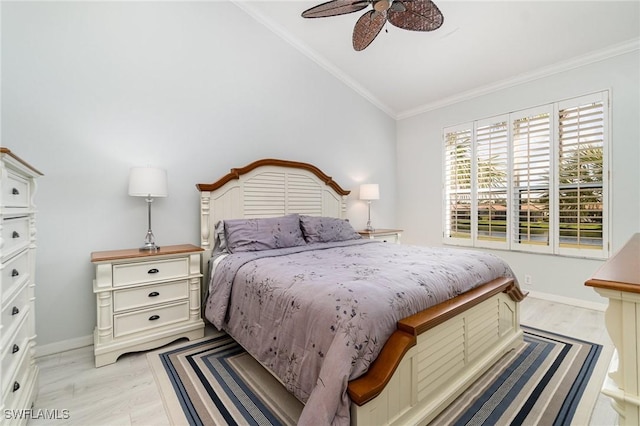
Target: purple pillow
[
  {"x": 319, "y": 229},
  {"x": 263, "y": 233}
]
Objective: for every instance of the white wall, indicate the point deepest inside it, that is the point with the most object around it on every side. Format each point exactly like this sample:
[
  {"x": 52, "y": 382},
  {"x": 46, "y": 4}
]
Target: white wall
[
  {"x": 91, "y": 89},
  {"x": 420, "y": 165}
]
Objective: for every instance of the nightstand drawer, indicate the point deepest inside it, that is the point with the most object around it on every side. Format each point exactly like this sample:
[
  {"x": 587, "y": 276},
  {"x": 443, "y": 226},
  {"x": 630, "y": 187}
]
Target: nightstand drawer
[
  {"x": 15, "y": 191},
  {"x": 392, "y": 238},
  {"x": 143, "y": 272},
  {"x": 154, "y": 294},
  {"x": 140, "y": 321},
  {"x": 13, "y": 273},
  {"x": 383, "y": 235},
  {"x": 15, "y": 235}
]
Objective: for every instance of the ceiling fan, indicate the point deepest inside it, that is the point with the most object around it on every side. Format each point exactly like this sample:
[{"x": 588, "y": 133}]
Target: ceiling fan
[{"x": 415, "y": 15}]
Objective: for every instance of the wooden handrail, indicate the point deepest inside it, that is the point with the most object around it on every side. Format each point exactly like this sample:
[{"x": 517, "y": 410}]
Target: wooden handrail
[{"x": 371, "y": 384}]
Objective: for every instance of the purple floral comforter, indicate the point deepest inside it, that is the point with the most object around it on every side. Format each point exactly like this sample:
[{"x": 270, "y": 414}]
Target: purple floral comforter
[{"x": 318, "y": 315}]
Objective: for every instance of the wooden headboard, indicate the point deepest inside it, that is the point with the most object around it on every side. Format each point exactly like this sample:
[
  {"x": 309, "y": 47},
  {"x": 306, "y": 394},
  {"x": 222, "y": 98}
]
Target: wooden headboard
[{"x": 267, "y": 188}]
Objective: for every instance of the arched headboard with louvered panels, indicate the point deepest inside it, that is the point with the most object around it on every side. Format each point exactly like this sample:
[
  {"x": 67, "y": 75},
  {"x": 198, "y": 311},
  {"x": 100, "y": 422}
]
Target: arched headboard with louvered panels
[{"x": 268, "y": 188}]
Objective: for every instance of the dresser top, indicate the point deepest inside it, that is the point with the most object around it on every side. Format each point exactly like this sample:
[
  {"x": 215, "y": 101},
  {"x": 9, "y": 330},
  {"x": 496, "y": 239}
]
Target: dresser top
[
  {"x": 622, "y": 271},
  {"x": 105, "y": 256},
  {"x": 8, "y": 152}
]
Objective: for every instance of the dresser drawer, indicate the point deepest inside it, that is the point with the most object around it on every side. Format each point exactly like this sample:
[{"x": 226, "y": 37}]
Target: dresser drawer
[
  {"x": 15, "y": 235},
  {"x": 17, "y": 384},
  {"x": 142, "y": 272},
  {"x": 14, "y": 351},
  {"x": 140, "y": 321},
  {"x": 15, "y": 191},
  {"x": 154, "y": 294},
  {"x": 13, "y": 273},
  {"x": 13, "y": 311}
]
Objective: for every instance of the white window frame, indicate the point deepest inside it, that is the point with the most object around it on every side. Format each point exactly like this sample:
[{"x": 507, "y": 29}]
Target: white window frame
[
  {"x": 452, "y": 240},
  {"x": 515, "y": 245},
  {"x": 606, "y": 222},
  {"x": 554, "y": 246},
  {"x": 474, "y": 223}
]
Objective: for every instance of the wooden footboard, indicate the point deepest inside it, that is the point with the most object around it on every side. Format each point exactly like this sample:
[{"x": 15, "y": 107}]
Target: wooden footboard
[{"x": 436, "y": 354}]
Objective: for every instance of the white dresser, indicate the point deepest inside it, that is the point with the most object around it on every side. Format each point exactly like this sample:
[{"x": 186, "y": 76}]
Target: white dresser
[
  {"x": 18, "y": 370},
  {"x": 145, "y": 299},
  {"x": 619, "y": 281}
]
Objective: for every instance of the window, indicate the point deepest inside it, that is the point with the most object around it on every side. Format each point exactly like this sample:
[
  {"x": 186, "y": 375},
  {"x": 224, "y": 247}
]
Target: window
[
  {"x": 533, "y": 180},
  {"x": 491, "y": 184},
  {"x": 458, "y": 182}
]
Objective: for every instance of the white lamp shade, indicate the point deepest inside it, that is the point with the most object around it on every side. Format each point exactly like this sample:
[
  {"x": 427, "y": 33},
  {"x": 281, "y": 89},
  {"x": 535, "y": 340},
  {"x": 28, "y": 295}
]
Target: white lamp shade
[
  {"x": 147, "y": 182},
  {"x": 369, "y": 191}
]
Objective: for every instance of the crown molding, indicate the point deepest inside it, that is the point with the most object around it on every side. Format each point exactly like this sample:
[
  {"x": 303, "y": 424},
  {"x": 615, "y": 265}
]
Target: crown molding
[
  {"x": 577, "y": 62},
  {"x": 314, "y": 56}
]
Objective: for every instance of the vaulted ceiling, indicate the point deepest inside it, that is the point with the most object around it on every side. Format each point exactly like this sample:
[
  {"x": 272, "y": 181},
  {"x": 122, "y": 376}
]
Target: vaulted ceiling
[{"x": 482, "y": 45}]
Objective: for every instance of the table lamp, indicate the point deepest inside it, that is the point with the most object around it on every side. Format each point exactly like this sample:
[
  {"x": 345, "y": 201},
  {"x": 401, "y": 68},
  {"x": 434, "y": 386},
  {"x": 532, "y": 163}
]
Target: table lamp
[
  {"x": 148, "y": 182},
  {"x": 368, "y": 192}
]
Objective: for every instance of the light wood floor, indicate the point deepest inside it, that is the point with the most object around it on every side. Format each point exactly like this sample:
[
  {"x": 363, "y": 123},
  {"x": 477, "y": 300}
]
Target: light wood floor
[{"x": 125, "y": 393}]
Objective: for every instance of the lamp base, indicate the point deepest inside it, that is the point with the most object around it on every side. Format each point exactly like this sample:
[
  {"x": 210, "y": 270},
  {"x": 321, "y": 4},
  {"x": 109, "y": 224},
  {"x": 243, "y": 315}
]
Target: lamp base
[
  {"x": 369, "y": 228},
  {"x": 151, "y": 247},
  {"x": 149, "y": 242}
]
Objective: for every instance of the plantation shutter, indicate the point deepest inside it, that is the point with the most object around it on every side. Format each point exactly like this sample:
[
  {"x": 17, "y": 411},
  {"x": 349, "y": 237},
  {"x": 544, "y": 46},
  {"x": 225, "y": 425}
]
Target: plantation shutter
[
  {"x": 492, "y": 169},
  {"x": 457, "y": 184},
  {"x": 534, "y": 180},
  {"x": 581, "y": 173},
  {"x": 531, "y": 180}
]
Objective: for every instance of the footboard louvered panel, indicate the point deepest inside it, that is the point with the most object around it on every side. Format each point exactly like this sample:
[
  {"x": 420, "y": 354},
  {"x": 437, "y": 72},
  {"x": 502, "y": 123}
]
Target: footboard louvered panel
[
  {"x": 446, "y": 360},
  {"x": 440, "y": 359},
  {"x": 483, "y": 329}
]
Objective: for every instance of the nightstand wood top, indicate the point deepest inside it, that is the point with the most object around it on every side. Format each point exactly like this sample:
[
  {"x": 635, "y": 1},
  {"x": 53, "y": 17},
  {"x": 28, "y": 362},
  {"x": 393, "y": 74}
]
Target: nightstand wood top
[
  {"x": 380, "y": 232},
  {"x": 105, "y": 256}
]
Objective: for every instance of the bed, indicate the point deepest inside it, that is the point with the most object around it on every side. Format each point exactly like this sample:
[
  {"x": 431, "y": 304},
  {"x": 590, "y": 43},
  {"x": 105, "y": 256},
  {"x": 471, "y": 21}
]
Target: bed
[{"x": 369, "y": 366}]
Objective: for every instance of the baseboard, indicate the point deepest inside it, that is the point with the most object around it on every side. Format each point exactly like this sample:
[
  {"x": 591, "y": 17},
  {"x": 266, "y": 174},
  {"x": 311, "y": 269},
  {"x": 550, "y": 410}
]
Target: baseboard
[
  {"x": 63, "y": 346},
  {"x": 580, "y": 303}
]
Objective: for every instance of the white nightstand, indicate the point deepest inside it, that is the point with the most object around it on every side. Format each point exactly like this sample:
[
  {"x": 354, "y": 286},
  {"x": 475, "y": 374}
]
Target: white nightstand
[
  {"x": 145, "y": 299},
  {"x": 385, "y": 235}
]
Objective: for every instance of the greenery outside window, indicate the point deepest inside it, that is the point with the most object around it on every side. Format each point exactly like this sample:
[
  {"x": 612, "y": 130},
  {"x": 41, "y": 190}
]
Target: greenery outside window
[{"x": 533, "y": 180}]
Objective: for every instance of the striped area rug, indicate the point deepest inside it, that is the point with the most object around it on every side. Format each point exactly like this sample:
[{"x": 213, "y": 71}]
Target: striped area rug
[{"x": 213, "y": 381}]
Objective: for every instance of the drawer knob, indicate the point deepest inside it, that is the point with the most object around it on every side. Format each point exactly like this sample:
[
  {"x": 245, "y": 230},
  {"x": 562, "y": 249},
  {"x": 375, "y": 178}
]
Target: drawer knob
[
  {"x": 15, "y": 273},
  {"x": 154, "y": 317},
  {"x": 15, "y": 191},
  {"x": 15, "y": 234},
  {"x": 154, "y": 294},
  {"x": 16, "y": 386},
  {"x": 153, "y": 271},
  {"x": 15, "y": 310},
  {"x": 15, "y": 349}
]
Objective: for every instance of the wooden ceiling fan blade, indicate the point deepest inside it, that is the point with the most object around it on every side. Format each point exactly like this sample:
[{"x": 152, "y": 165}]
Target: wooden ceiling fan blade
[
  {"x": 367, "y": 28},
  {"x": 334, "y": 8},
  {"x": 419, "y": 15}
]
